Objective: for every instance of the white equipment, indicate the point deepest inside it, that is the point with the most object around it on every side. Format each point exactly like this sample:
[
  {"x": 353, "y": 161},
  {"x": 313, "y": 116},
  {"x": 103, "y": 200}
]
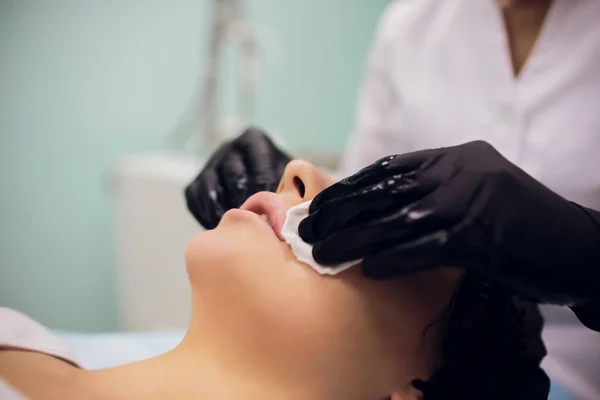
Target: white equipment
[{"x": 153, "y": 227}]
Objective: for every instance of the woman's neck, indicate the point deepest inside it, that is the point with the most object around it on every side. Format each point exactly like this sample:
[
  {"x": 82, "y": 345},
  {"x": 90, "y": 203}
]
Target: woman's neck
[{"x": 194, "y": 370}]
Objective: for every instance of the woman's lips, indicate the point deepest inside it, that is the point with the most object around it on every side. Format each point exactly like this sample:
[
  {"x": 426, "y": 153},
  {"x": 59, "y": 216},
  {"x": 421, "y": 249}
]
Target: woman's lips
[{"x": 268, "y": 206}]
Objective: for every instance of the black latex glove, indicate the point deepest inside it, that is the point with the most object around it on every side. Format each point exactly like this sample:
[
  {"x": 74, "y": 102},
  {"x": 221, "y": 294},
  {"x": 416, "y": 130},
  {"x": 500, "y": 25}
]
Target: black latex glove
[
  {"x": 464, "y": 206},
  {"x": 238, "y": 169}
]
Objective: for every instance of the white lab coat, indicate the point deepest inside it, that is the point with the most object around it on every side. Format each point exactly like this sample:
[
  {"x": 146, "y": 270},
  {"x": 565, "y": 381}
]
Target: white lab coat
[{"x": 440, "y": 74}]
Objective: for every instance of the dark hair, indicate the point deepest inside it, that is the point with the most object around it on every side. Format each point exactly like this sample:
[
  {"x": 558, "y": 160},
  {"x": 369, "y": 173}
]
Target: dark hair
[{"x": 491, "y": 347}]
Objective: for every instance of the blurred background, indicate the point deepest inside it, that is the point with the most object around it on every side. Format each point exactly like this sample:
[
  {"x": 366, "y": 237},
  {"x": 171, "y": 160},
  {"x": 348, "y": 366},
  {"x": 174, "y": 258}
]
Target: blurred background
[{"x": 90, "y": 95}]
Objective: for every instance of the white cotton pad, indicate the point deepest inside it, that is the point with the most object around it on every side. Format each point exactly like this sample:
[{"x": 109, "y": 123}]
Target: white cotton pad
[{"x": 303, "y": 250}]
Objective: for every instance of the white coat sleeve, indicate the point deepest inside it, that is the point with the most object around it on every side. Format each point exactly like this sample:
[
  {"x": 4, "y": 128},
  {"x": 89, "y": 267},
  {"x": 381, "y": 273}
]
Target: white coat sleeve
[{"x": 371, "y": 135}]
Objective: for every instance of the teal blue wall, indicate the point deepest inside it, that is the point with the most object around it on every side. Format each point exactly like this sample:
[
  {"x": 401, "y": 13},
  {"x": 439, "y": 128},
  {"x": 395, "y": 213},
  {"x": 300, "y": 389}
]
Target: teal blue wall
[{"x": 82, "y": 82}]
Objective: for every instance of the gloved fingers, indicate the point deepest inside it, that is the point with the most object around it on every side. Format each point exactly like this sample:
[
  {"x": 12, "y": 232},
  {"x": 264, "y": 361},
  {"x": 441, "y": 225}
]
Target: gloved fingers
[
  {"x": 233, "y": 175},
  {"x": 390, "y": 167},
  {"x": 359, "y": 208},
  {"x": 256, "y": 149},
  {"x": 264, "y": 161},
  {"x": 236, "y": 170},
  {"x": 253, "y": 165},
  {"x": 396, "y": 180},
  {"x": 217, "y": 157},
  {"x": 191, "y": 196},
  {"x": 421, "y": 254},
  {"x": 395, "y": 168},
  {"x": 202, "y": 199},
  {"x": 252, "y": 138},
  {"x": 436, "y": 169},
  {"x": 278, "y": 159},
  {"x": 344, "y": 188},
  {"x": 447, "y": 205},
  {"x": 362, "y": 240},
  {"x": 337, "y": 215},
  {"x": 204, "y": 195},
  {"x": 413, "y": 161},
  {"x": 342, "y": 233},
  {"x": 426, "y": 224},
  {"x": 271, "y": 170}
]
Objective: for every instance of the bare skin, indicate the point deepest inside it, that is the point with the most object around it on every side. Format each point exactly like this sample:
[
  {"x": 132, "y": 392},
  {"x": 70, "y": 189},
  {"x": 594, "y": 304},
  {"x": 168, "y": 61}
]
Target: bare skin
[{"x": 523, "y": 20}]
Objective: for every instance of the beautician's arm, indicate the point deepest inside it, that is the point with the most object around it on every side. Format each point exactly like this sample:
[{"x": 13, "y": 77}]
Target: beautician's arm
[{"x": 465, "y": 206}]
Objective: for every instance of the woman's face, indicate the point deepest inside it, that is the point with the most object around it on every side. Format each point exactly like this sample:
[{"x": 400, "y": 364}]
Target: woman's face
[{"x": 260, "y": 301}]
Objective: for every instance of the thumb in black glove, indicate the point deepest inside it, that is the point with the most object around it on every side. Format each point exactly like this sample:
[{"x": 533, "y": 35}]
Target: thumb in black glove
[
  {"x": 249, "y": 164},
  {"x": 464, "y": 206}
]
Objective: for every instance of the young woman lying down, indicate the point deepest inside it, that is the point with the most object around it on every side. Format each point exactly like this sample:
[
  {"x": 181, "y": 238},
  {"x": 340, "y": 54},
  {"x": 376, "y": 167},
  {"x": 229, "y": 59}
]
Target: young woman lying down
[{"x": 265, "y": 326}]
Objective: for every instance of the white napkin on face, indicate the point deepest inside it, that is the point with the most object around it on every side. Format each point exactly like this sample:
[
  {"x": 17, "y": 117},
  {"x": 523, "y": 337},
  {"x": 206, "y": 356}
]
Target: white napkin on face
[{"x": 303, "y": 250}]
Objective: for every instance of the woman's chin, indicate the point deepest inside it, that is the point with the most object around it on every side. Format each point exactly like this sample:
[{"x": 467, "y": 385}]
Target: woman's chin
[
  {"x": 231, "y": 245},
  {"x": 209, "y": 249}
]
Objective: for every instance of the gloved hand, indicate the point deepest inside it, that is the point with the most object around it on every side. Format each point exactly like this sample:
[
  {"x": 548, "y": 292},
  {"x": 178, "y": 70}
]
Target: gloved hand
[
  {"x": 238, "y": 169},
  {"x": 464, "y": 206}
]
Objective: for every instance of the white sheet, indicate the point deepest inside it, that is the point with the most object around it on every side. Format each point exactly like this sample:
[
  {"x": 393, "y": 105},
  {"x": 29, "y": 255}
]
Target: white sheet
[{"x": 104, "y": 350}]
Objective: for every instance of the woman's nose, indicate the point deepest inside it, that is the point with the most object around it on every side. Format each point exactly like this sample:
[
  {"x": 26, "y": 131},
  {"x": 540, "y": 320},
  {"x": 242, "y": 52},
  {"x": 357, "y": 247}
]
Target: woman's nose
[{"x": 302, "y": 180}]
